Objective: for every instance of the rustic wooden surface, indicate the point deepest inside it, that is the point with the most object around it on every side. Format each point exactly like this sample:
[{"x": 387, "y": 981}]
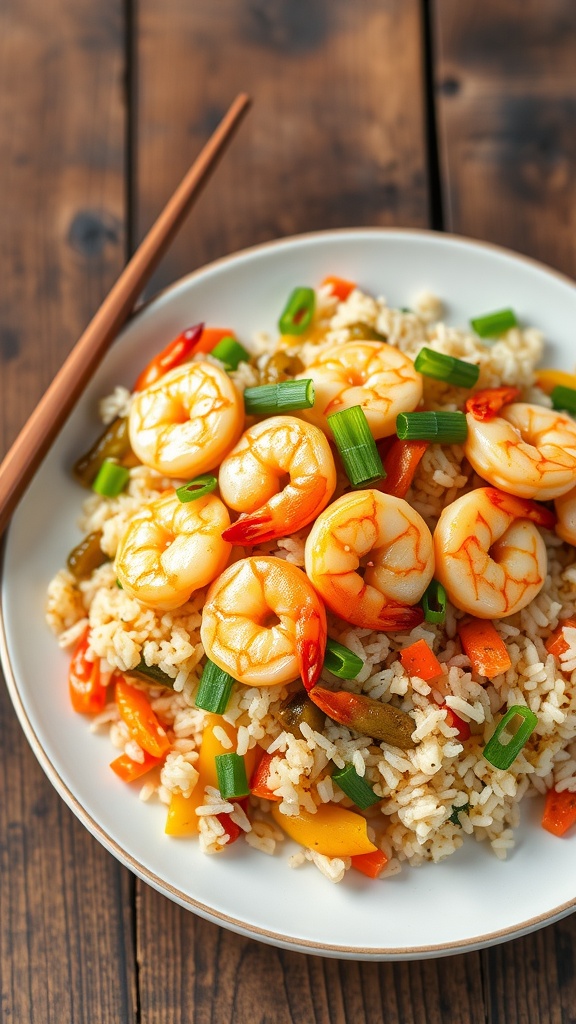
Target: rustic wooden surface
[{"x": 390, "y": 112}]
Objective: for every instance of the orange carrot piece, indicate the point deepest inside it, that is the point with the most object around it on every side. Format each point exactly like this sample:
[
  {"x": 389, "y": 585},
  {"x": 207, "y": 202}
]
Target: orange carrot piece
[
  {"x": 143, "y": 725},
  {"x": 339, "y": 286},
  {"x": 259, "y": 780},
  {"x": 371, "y": 864},
  {"x": 210, "y": 338},
  {"x": 559, "y": 812},
  {"x": 556, "y": 643},
  {"x": 87, "y": 692},
  {"x": 419, "y": 660},
  {"x": 485, "y": 405},
  {"x": 401, "y": 462},
  {"x": 484, "y": 648},
  {"x": 128, "y": 769},
  {"x": 173, "y": 355}
]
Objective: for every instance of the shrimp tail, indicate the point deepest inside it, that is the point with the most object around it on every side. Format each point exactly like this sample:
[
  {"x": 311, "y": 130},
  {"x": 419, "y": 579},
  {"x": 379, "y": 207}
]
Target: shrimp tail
[
  {"x": 391, "y": 618},
  {"x": 310, "y": 645},
  {"x": 251, "y": 529},
  {"x": 486, "y": 404},
  {"x": 285, "y": 514},
  {"x": 522, "y": 508}
]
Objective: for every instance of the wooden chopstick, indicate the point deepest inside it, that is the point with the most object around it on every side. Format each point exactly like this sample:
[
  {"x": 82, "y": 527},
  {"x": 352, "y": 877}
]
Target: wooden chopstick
[{"x": 50, "y": 414}]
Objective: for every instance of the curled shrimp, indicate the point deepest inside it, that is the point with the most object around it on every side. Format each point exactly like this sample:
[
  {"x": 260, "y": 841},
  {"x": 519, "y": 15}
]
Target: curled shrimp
[
  {"x": 252, "y": 474},
  {"x": 185, "y": 422},
  {"x": 280, "y": 631},
  {"x": 372, "y": 374},
  {"x": 526, "y": 450},
  {"x": 566, "y": 512},
  {"x": 382, "y": 537},
  {"x": 490, "y": 556},
  {"x": 171, "y": 549}
]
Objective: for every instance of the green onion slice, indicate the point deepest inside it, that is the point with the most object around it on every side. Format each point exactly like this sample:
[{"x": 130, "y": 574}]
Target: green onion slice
[
  {"x": 457, "y": 811},
  {"x": 355, "y": 787},
  {"x": 564, "y": 398},
  {"x": 197, "y": 488},
  {"x": 214, "y": 689},
  {"x": 298, "y": 311},
  {"x": 111, "y": 479},
  {"x": 501, "y": 755},
  {"x": 272, "y": 399},
  {"x": 356, "y": 445},
  {"x": 230, "y": 352},
  {"x": 231, "y": 772},
  {"x": 493, "y": 324},
  {"x": 434, "y": 602},
  {"x": 151, "y": 674},
  {"x": 447, "y": 368},
  {"x": 341, "y": 661},
  {"x": 441, "y": 427}
]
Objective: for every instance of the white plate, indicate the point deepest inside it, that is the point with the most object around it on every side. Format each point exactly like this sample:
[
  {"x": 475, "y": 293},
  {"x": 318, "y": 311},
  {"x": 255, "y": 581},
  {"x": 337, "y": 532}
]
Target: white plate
[{"x": 468, "y": 901}]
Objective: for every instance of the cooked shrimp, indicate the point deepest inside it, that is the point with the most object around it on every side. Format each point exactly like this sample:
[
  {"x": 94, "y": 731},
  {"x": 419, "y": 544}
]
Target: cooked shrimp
[
  {"x": 252, "y": 474},
  {"x": 171, "y": 549},
  {"x": 384, "y": 538},
  {"x": 368, "y": 373},
  {"x": 490, "y": 556},
  {"x": 526, "y": 450},
  {"x": 280, "y": 631},
  {"x": 566, "y": 513},
  {"x": 185, "y": 422}
]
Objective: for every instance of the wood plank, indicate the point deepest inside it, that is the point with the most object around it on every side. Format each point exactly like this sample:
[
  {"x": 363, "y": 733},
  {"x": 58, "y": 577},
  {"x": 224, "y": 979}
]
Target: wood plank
[
  {"x": 506, "y": 101},
  {"x": 65, "y": 919}
]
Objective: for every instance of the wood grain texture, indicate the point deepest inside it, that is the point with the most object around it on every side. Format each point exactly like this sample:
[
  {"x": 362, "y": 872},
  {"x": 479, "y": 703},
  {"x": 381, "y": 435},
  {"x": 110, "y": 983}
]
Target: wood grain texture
[
  {"x": 65, "y": 904},
  {"x": 506, "y": 102}
]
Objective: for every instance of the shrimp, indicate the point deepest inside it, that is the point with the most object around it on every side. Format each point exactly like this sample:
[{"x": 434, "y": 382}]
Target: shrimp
[
  {"x": 370, "y": 555},
  {"x": 566, "y": 512},
  {"x": 251, "y": 476},
  {"x": 170, "y": 549},
  {"x": 279, "y": 633},
  {"x": 490, "y": 556},
  {"x": 185, "y": 422},
  {"x": 526, "y": 450},
  {"x": 372, "y": 374}
]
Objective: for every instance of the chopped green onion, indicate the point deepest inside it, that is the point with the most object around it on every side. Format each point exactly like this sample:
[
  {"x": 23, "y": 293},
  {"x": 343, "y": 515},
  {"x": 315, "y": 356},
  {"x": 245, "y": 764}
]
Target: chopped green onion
[
  {"x": 287, "y": 396},
  {"x": 111, "y": 479},
  {"x": 441, "y": 427},
  {"x": 119, "y": 585},
  {"x": 447, "y": 368},
  {"x": 214, "y": 689},
  {"x": 501, "y": 755},
  {"x": 230, "y": 352},
  {"x": 151, "y": 674},
  {"x": 564, "y": 398},
  {"x": 493, "y": 324},
  {"x": 457, "y": 811},
  {"x": 197, "y": 488},
  {"x": 355, "y": 787},
  {"x": 340, "y": 661},
  {"x": 434, "y": 602},
  {"x": 231, "y": 772},
  {"x": 356, "y": 445},
  {"x": 298, "y": 311}
]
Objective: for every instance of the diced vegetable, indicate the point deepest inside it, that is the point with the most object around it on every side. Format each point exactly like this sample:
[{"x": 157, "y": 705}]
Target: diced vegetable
[
  {"x": 486, "y": 404},
  {"x": 332, "y": 831},
  {"x": 297, "y": 710},
  {"x": 491, "y": 325},
  {"x": 367, "y": 716},
  {"x": 339, "y": 287},
  {"x": 210, "y": 337},
  {"x": 501, "y": 755},
  {"x": 276, "y": 399},
  {"x": 233, "y": 831},
  {"x": 364, "y": 332},
  {"x": 87, "y": 556},
  {"x": 111, "y": 479},
  {"x": 231, "y": 775},
  {"x": 455, "y": 722},
  {"x": 434, "y": 602},
  {"x": 211, "y": 747},
  {"x": 457, "y": 811},
  {"x": 447, "y": 368},
  {"x": 214, "y": 689},
  {"x": 341, "y": 661},
  {"x": 356, "y": 446},
  {"x": 143, "y": 724},
  {"x": 559, "y": 811},
  {"x": 401, "y": 461},
  {"x": 483, "y": 647},
  {"x": 548, "y": 379},
  {"x": 114, "y": 443},
  {"x": 182, "y": 819},
  {"x": 197, "y": 488},
  {"x": 419, "y": 660},
  {"x": 355, "y": 787},
  {"x": 370, "y": 864},
  {"x": 87, "y": 694},
  {"x": 259, "y": 780},
  {"x": 173, "y": 355},
  {"x": 128, "y": 769},
  {"x": 297, "y": 314},
  {"x": 151, "y": 673},
  {"x": 556, "y": 643},
  {"x": 438, "y": 427},
  {"x": 230, "y": 352},
  {"x": 564, "y": 399}
]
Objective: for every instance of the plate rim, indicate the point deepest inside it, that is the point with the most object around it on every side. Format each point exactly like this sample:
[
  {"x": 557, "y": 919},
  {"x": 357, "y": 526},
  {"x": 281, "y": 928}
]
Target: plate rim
[{"x": 279, "y": 939}]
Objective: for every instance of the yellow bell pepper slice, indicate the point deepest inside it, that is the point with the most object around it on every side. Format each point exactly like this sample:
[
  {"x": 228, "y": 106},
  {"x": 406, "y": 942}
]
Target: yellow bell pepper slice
[
  {"x": 550, "y": 379},
  {"x": 211, "y": 746},
  {"x": 333, "y": 831},
  {"x": 182, "y": 819}
]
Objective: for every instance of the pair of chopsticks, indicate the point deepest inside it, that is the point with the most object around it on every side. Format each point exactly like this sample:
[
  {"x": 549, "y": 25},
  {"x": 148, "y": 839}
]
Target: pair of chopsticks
[{"x": 39, "y": 432}]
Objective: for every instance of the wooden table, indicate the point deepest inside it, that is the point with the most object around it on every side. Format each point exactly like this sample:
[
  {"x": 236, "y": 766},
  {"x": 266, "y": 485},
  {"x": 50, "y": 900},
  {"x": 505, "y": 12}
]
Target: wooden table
[{"x": 440, "y": 113}]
